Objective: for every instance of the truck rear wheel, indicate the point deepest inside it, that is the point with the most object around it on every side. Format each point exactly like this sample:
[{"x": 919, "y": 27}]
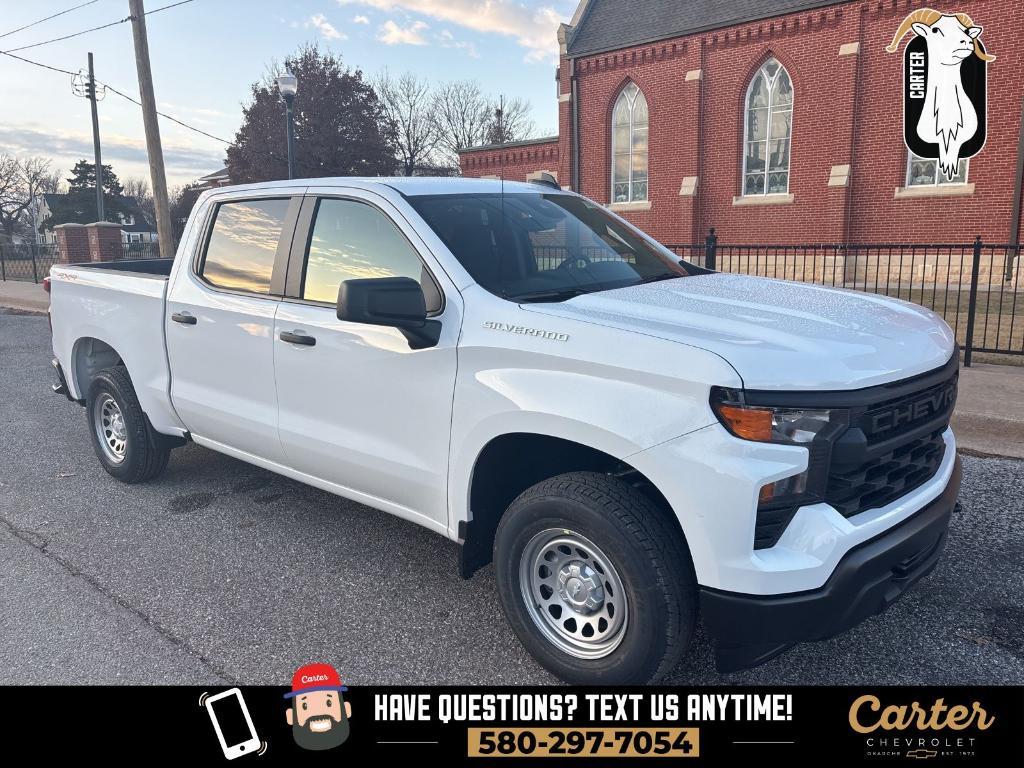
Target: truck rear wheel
[
  {"x": 595, "y": 580},
  {"x": 125, "y": 443}
]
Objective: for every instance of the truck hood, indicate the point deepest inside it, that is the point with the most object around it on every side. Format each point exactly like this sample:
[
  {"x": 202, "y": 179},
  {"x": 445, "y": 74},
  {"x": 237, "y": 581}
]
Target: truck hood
[{"x": 777, "y": 334}]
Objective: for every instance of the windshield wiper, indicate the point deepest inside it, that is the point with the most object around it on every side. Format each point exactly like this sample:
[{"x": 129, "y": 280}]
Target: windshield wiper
[
  {"x": 658, "y": 278},
  {"x": 553, "y": 295}
]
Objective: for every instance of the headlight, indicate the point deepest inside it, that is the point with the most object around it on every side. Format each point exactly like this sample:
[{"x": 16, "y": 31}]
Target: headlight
[
  {"x": 813, "y": 428},
  {"x": 789, "y": 426}
]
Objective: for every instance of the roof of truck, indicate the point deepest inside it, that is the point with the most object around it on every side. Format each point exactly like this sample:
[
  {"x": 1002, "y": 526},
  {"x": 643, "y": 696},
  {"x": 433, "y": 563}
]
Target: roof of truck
[{"x": 406, "y": 185}]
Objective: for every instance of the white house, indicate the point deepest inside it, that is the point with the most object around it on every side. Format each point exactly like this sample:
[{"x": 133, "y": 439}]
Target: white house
[{"x": 135, "y": 225}]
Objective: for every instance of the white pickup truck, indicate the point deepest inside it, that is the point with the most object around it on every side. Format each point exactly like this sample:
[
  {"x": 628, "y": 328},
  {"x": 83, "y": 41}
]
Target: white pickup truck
[{"x": 631, "y": 439}]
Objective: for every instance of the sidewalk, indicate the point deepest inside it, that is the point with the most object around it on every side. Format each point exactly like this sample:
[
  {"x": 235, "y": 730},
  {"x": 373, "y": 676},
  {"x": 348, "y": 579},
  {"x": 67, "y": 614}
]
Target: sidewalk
[
  {"x": 989, "y": 418},
  {"x": 25, "y": 296}
]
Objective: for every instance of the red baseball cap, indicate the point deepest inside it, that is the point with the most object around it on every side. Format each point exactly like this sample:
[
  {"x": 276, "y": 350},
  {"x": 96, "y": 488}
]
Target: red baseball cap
[{"x": 315, "y": 677}]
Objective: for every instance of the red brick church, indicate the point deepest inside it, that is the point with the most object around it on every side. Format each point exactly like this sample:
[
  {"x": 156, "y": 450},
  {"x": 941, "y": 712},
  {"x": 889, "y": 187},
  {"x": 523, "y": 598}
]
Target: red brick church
[{"x": 773, "y": 121}]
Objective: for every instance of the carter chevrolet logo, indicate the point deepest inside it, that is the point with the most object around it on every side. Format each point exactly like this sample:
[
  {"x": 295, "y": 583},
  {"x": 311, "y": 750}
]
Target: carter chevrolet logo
[
  {"x": 907, "y": 413},
  {"x": 524, "y": 331}
]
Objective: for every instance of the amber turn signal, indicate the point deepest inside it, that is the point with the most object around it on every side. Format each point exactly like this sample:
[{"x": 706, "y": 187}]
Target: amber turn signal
[{"x": 748, "y": 423}]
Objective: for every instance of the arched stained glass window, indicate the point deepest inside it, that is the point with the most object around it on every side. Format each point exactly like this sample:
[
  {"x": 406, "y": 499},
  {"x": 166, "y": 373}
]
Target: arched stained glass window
[
  {"x": 767, "y": 131},
  {"x": 629, "y": 146}
]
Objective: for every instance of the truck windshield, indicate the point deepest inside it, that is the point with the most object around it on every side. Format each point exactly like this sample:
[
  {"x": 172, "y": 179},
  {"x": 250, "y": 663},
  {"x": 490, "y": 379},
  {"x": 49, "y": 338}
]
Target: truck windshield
[{"x": 539, "y": 247}]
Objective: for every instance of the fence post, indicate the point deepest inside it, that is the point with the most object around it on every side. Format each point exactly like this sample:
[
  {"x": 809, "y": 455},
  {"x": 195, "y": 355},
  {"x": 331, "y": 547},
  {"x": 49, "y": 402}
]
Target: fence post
[
  {"x": 35, "y": 274},
  {"x": 711, "y": 250},
  {"x": 3, "y": 264},
  {"x": 972, "y": 305}
]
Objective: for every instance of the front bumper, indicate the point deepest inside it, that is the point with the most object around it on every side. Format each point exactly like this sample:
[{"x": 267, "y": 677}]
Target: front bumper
[{"x": 748, "y": 630}]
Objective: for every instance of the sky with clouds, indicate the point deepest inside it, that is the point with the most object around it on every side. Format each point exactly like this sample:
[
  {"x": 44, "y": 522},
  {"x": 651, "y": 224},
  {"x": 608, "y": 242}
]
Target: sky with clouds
[{"x": 207, "y": 53}]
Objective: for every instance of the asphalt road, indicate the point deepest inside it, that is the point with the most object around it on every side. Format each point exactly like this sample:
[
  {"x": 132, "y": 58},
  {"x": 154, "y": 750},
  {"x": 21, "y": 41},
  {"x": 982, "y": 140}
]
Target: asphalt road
[{"x": 221, "y": 572}]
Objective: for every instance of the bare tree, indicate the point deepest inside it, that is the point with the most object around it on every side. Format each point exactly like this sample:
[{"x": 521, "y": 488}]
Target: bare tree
[
  {"x": 21, "y": 183},
  {"x": 510, "y": 121},
  {"x": 467, "y": 117},
  {"x": 138, "y": 188},
  {"x": 408, "y": 103},
  {"x": 462, "y": 113},
  {"x": 10, "y": 181}
]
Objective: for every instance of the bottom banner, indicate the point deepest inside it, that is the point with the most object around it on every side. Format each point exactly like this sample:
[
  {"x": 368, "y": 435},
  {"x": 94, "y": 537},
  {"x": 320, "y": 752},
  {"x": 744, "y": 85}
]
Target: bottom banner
[{"x": 319, "y": 719}]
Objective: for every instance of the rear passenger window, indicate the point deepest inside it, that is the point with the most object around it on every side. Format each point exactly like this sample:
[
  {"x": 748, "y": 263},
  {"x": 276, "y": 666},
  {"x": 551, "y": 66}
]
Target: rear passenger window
[
  {"x": 353, "y": 240},
  {"x": 243, "y": 244}
]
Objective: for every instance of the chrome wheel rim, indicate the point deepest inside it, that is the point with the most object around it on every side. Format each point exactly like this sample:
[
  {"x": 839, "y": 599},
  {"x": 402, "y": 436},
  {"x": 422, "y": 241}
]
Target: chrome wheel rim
[
  {"x": 110, "y": 428},
  {"x": 573, "y": 593}
]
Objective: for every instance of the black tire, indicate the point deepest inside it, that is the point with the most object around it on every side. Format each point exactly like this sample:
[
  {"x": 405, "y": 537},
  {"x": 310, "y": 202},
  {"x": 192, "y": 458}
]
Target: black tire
[
  {"x": 644, "y": 546},
  {"x": 145, "y": 451}
]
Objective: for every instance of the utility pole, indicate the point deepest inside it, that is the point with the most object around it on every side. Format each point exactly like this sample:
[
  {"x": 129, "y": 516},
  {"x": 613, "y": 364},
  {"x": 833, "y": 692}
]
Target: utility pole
[
  {"x": 96, "y": 141},
  {"x": 151, "y": 121},
  {"x": 84, "y": 85}
]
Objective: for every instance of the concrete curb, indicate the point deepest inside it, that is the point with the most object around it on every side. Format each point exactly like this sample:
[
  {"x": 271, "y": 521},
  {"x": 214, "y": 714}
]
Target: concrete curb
[
  {"x": 24, "y": 297},
  {"x": 9, "y": 308}
]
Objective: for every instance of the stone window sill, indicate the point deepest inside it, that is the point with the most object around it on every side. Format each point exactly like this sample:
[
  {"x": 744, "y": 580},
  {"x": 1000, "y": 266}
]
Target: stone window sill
[
  {"x": 934, "y": 190},
  {"x": 773, "y": 199},
  {"x": 638, "y": 205}
]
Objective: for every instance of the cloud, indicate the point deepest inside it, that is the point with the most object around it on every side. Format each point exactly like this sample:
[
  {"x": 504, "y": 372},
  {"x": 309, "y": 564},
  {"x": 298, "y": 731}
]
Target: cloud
[
  {"x": 65, "y": 147},
  {"x": 328, "y": 30},
  {"x": 360, "y": 19},
  {"x": 392, "y": 34},
  {"x": 533, "y": 28},
  {"x": 447, "y": 40}
]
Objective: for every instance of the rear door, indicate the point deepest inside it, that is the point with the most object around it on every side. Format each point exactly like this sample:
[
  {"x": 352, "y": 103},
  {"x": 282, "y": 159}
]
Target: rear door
[
  {"x": 220, "y": 324},
  {"x": 360, "y": 408}
]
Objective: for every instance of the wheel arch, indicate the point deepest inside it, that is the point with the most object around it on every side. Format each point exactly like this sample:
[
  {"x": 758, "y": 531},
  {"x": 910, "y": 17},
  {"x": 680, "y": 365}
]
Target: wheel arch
[
  {"x": 512, "y": 462},
  {"x": 89, "y": 356}
]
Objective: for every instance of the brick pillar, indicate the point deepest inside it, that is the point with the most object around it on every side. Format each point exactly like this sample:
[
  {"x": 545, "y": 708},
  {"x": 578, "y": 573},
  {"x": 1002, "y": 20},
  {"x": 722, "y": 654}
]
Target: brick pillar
[
  {"x": 72, "y": 243},
  {"x": 104, "y": 241}
]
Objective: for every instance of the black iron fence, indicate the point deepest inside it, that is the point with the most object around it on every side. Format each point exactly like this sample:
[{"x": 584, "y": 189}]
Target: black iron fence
[
  {"x": 976, "y": 287},
  {"x": 32, "y": 261}
]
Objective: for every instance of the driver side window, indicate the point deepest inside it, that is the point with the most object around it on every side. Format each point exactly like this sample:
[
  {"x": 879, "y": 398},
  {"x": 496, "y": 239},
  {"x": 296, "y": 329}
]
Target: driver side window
[{"x": 353, "y": 240}]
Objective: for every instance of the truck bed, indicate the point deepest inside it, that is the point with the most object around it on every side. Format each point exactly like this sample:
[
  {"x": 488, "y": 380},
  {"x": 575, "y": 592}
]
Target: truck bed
[
  {"x": 106, "y": 312},
  {"x": 147, "y": 267}
]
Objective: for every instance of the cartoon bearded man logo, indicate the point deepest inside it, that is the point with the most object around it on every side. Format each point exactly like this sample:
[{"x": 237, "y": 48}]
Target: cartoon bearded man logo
[{"x": 318, "y": 714}]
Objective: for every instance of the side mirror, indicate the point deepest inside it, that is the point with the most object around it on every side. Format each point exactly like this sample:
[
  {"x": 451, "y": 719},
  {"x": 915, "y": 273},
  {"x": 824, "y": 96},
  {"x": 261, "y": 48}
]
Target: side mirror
[{"x": 396, "y": 302}]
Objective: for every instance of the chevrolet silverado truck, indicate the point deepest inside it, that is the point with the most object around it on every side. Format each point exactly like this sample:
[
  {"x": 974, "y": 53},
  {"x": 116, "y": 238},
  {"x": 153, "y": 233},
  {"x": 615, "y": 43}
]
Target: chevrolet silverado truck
[{"x": 632, "y": 440}]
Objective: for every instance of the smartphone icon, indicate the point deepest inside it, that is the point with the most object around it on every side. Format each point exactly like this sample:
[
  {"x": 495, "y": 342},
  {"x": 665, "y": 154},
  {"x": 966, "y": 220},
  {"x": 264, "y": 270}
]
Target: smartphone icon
[{"x": 231, "y": 721}]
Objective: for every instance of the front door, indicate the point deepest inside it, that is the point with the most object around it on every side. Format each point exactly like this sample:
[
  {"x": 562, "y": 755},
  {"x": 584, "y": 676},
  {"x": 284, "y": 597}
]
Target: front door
[{"x": 358, "y": 407}]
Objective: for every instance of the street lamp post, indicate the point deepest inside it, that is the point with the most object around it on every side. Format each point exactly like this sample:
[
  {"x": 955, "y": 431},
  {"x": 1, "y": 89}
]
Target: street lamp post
[{"x": 288, "y": 84}]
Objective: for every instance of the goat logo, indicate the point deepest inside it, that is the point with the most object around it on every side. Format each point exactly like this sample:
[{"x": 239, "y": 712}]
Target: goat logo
[{"x": 944, "y": 79}]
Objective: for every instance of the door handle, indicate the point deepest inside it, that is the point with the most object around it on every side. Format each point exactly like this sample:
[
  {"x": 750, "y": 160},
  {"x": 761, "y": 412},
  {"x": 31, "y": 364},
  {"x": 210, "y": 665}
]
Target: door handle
[
  {"x": 184, "y": 318},
  {"x": 298, "y": 338}
]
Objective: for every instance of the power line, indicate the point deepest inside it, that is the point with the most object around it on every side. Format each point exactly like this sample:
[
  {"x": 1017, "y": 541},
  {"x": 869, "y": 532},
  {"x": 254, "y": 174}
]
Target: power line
[
  {"x": 54, "y": 16},
  {"x": 123, "y": 95},
  {"x": 167, "y": 7},
  {"x": 94, "y": 29},
  {"x": 39, "y": 64},
  {"x": 68, "y": 37},
  {"x": 173, "y": 119}
]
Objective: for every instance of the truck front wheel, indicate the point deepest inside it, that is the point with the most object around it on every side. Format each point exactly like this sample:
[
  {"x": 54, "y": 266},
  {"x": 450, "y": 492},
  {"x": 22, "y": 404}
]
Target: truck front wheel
[
  {"x": 595, "y": 580},
  {"x": 125, "y": 443}
]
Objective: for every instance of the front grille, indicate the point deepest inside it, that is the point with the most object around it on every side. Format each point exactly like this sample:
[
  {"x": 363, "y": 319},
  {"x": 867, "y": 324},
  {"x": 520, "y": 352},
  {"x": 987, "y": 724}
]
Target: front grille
[
  {"x": 892, "y": 446},
  {"x": 884, "y": 479}
]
